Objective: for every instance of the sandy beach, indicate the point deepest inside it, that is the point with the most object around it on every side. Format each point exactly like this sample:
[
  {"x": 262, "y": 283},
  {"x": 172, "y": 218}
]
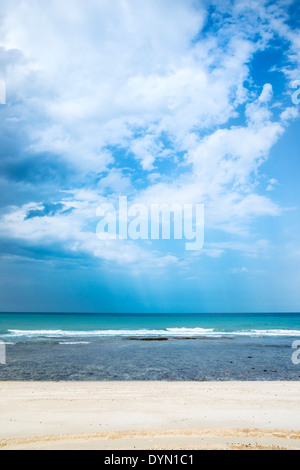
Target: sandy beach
[{"x": 149, "y": 415}]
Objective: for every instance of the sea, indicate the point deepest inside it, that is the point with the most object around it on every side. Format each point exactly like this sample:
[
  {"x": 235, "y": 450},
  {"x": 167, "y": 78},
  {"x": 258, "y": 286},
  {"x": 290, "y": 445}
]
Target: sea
[{"x": 151, "y": 347}]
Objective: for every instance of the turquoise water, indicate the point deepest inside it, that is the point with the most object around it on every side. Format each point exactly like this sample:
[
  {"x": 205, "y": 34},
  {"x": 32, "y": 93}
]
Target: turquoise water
[
  {"x": 34, "y": 326},
  {"x": 177, "y": 347}
]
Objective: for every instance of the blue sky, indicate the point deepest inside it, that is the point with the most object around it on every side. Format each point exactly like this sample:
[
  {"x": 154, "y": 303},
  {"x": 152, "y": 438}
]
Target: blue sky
[{"x": 164, "y": 101}]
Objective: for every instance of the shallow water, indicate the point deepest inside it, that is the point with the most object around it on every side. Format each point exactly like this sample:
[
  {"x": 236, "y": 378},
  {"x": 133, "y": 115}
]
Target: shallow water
[
  {"x": 152, "y": 347},
  {"x": 174, "y": 359}
]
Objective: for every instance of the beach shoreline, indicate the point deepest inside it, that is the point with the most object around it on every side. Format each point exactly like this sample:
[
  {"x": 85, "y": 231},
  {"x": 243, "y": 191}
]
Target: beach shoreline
[{"x": 149, "y": 415}]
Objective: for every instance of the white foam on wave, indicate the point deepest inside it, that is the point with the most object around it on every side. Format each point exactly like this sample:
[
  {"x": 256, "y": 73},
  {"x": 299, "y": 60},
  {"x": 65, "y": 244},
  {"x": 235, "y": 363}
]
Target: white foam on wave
[
  {"x": 68, "y": 343},
  {"x": 262, "y": 333},
  {"x": 168, "y": 332}
]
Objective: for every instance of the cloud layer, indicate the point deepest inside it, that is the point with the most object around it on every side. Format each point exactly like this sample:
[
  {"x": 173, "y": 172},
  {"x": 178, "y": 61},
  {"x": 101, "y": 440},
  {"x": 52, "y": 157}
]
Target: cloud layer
[{"x": 156, "y": 101}]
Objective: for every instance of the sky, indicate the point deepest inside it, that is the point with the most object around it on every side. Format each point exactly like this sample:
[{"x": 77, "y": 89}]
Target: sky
[{"x": 164, "y": 101}]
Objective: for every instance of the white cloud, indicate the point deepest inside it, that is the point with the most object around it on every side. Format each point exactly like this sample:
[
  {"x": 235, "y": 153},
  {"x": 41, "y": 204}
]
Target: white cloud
[
  {"x": 257, "y": 248},
  {"x": 239, "y": 270},
  {"x": 72, "y": 233},
  {"x": 93, "y": 80}
]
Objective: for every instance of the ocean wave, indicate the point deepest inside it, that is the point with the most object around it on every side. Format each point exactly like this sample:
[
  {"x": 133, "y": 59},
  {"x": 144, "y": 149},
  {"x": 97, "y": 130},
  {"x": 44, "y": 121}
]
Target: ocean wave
[
  {"x": 71, "y": 343},
  {"x": 168, "y": 332}
]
